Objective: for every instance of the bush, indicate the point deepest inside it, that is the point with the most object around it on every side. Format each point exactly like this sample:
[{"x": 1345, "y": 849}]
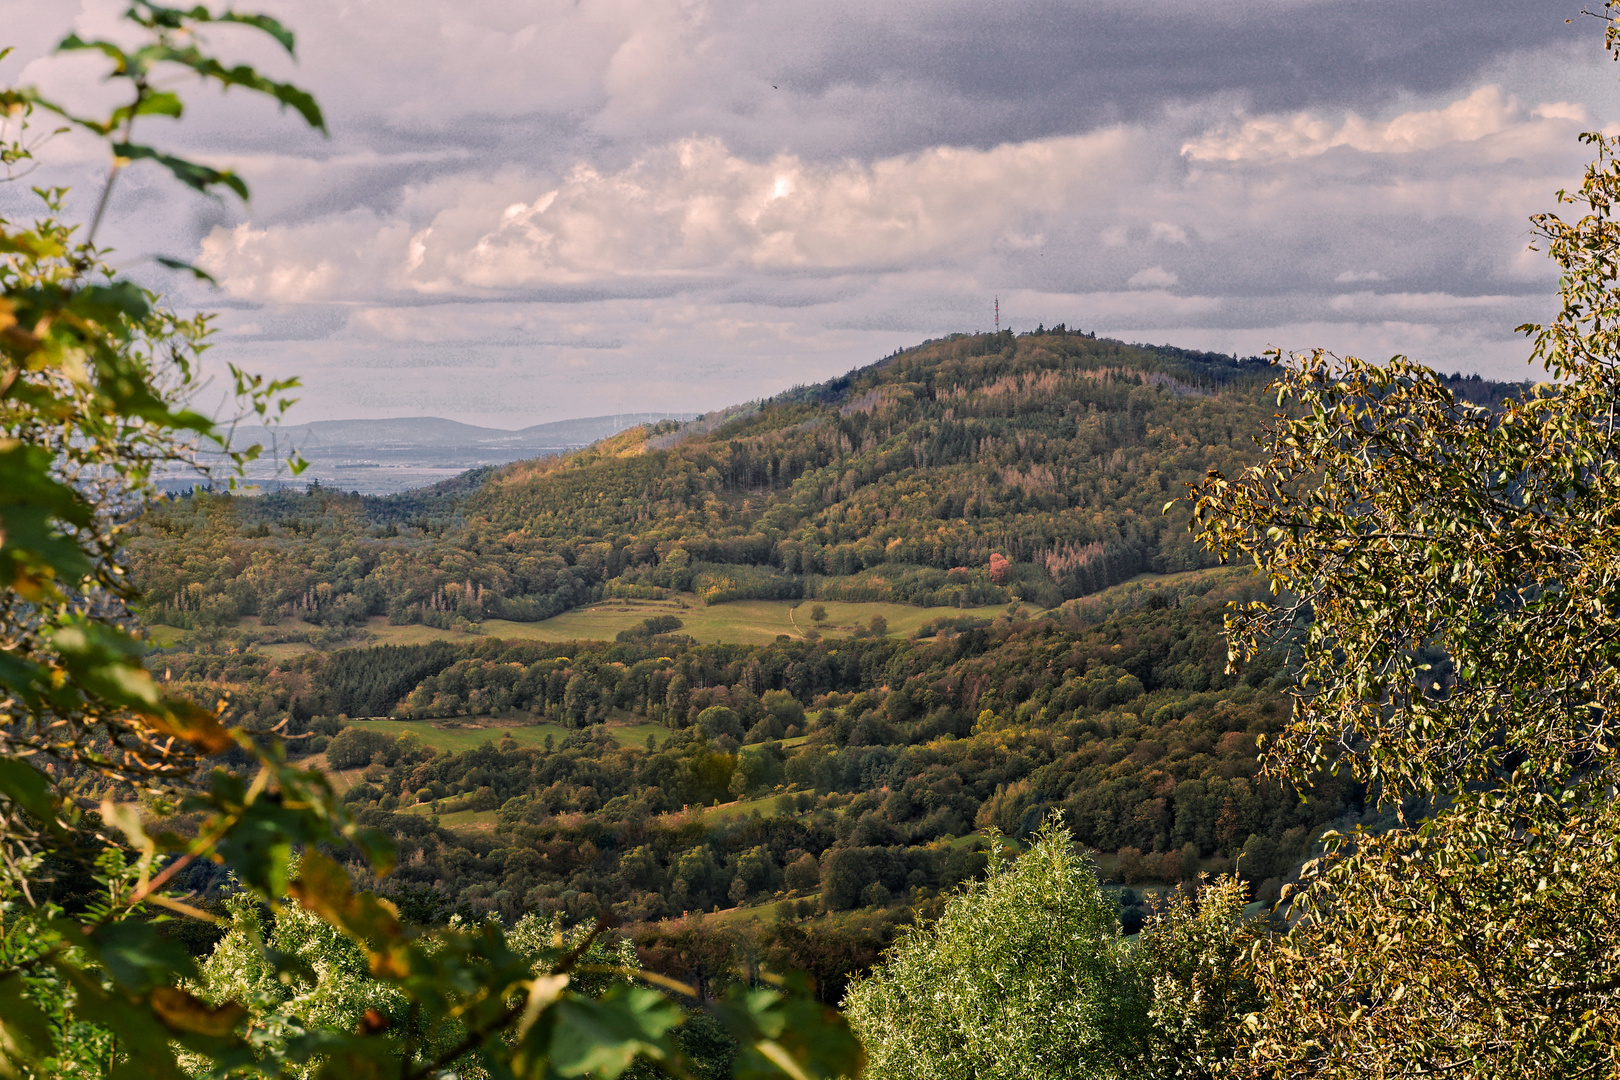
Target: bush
[
  {"x": 718, "y": 583},
  {"x": 658, "y": 624}
]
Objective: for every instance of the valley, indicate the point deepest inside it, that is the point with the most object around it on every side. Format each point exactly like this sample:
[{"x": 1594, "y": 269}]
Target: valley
[
  {"x": 1028, "y": 705},
  {"x": 762, "y": 684}
]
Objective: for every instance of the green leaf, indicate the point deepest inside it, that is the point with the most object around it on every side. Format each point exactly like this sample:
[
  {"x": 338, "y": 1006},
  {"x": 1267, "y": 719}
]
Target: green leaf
[
  {"x": 28, "y": 788},
  {"x": 22, "y": 677},
  {"x": 258, "y": 849},
  {"x": 605, "y": 1036},
  {"x": 195, "y": 271},
  {"x": 105, "y": 662},
  {"x": 74, "y": 43},
  {"x": 261, "y": 22},
  {"x": 173, "y": 18},
  {"x": 108, "y": 303},
  {"x": 161, "y": 103},
  {"x": 246, "y": 77},
  {"x": 193, "y": 175},
  {"x": 25, "y": 480},
  {"x": 26, "y": 1034},
  {"x": 789, "y": 1034},
  {"x": 138, "y": 956}
]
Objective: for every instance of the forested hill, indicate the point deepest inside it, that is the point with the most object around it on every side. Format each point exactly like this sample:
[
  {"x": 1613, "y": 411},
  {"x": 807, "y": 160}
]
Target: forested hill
[
  {"x": 860, "y": 760},
  {"x": 971, "y": 470},
  {"x": 967, "y": 471},
  {"x": 1053, "y": 450}
]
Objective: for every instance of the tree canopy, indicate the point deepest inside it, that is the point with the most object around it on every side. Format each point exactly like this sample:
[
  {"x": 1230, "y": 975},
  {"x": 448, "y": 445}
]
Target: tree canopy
[
  {"x": 94, "y": 390},
  {"x": 1026, "y": 975},
  {"x": 1446, "y": 575}
]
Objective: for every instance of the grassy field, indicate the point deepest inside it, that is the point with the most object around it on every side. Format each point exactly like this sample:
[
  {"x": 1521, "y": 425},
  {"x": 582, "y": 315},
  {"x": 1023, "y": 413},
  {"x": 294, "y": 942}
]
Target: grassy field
[
  {"x": 732, "y": 811},
  {"x": 164, "y": 636},
  {"x": 1176, "y": 578},
  {"x": 469, "y": 734},
  {"x": 742, "y": 622},
  {"x": 461, "y": 819}
]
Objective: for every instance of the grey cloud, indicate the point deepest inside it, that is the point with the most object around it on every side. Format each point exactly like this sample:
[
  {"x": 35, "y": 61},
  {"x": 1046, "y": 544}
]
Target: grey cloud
[
  {"x": 307, "y": 322},
  {"x": 444, "y": 116},
  {"x": 885, "y": 78}
]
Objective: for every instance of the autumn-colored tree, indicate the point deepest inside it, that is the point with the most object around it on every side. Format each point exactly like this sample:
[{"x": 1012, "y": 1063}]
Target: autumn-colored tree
[
  {"x": 95, "y": 378},
  {"x": 1446, "y": 576}
]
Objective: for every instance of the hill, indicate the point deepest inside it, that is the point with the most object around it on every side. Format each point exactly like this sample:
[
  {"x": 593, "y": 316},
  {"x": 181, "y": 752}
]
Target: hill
[
  {"x": 964, "y": 472},
  {"x": 1052, "y": 453},
  {"x": 728, "y": 752}
]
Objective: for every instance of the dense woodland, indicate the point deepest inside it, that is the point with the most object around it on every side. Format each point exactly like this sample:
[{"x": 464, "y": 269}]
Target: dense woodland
[
  {"x": 874, "y": 761},
  {"x": 1122, "y": 720},
  {"x": 950, "y": 828},
  {"x": 964, "y": 472}
]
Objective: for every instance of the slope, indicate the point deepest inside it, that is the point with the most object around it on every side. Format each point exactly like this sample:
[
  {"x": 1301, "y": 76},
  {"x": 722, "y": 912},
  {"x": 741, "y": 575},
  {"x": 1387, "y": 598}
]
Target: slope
[{"x": 965, "y": 472}]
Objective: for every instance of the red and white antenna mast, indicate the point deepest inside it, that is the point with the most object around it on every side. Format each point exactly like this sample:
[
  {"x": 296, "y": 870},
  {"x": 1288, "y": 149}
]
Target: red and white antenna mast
[{"x": 998, "y": 314}]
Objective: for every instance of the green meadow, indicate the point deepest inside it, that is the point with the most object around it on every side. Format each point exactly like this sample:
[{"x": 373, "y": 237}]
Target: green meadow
[
  {"x": 460, "y": 736},
  {"x": 740, "y": 622}
]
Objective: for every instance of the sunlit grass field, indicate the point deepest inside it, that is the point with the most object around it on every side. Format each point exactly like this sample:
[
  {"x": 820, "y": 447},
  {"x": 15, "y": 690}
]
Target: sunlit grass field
[
  {"x": 765, "y": 806},
  {"x": 741, "y": 622},
  {"x": 463, "y": 735},
  {"x": 461, "y": 819}
]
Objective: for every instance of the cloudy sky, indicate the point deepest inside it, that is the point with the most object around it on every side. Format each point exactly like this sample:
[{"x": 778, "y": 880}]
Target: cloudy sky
[{"x": 535, "y": 209}]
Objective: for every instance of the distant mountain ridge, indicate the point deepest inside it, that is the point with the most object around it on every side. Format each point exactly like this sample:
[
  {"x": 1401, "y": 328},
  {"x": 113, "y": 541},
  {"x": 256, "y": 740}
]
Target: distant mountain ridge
[
  {"x": 383, "y": 457},
  {"x": 435, "y": 431}
]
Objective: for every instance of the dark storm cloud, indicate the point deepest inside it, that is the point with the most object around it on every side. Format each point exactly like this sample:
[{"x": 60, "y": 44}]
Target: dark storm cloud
[
  {"x": 898, "y": 78},
  {"x": 1055, "y": 64}
]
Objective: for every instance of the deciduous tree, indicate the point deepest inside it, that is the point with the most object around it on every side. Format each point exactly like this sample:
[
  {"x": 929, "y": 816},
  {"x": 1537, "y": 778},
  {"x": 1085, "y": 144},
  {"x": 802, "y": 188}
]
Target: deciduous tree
[
  {"x": 95, "y": 378},
  {"x": 1446, "y": 575}
]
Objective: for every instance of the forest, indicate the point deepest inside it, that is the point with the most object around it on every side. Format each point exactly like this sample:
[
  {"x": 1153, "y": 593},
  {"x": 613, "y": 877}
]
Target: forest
[
  {"x": 961, "y": 473},
  {"x": 866, "y": 768},
  {"x": 869, "y": 764},
  {"x": 995, "y": 468},
  {"x": 1226, "y": 719}
]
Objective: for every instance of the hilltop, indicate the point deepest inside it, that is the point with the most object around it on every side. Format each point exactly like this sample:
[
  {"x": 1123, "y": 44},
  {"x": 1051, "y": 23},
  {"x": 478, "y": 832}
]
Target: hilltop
[{"x": 969, "y": 471}]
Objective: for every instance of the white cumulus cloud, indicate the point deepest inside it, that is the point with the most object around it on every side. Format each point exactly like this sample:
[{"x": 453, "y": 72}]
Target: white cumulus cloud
[
  {"x": 1487, "y": 111},
  {"x": 691, "y": 210},
  {"x": 1154, "y": 277}
]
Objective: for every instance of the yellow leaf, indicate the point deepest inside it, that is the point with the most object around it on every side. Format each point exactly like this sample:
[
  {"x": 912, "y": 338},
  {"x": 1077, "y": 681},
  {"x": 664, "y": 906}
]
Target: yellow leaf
[{"x": 181, "y": 1012}]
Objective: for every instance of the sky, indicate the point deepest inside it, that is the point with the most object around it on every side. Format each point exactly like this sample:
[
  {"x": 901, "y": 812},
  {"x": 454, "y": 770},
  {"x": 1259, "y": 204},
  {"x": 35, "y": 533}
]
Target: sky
[{"x": 528, "y": 210}]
